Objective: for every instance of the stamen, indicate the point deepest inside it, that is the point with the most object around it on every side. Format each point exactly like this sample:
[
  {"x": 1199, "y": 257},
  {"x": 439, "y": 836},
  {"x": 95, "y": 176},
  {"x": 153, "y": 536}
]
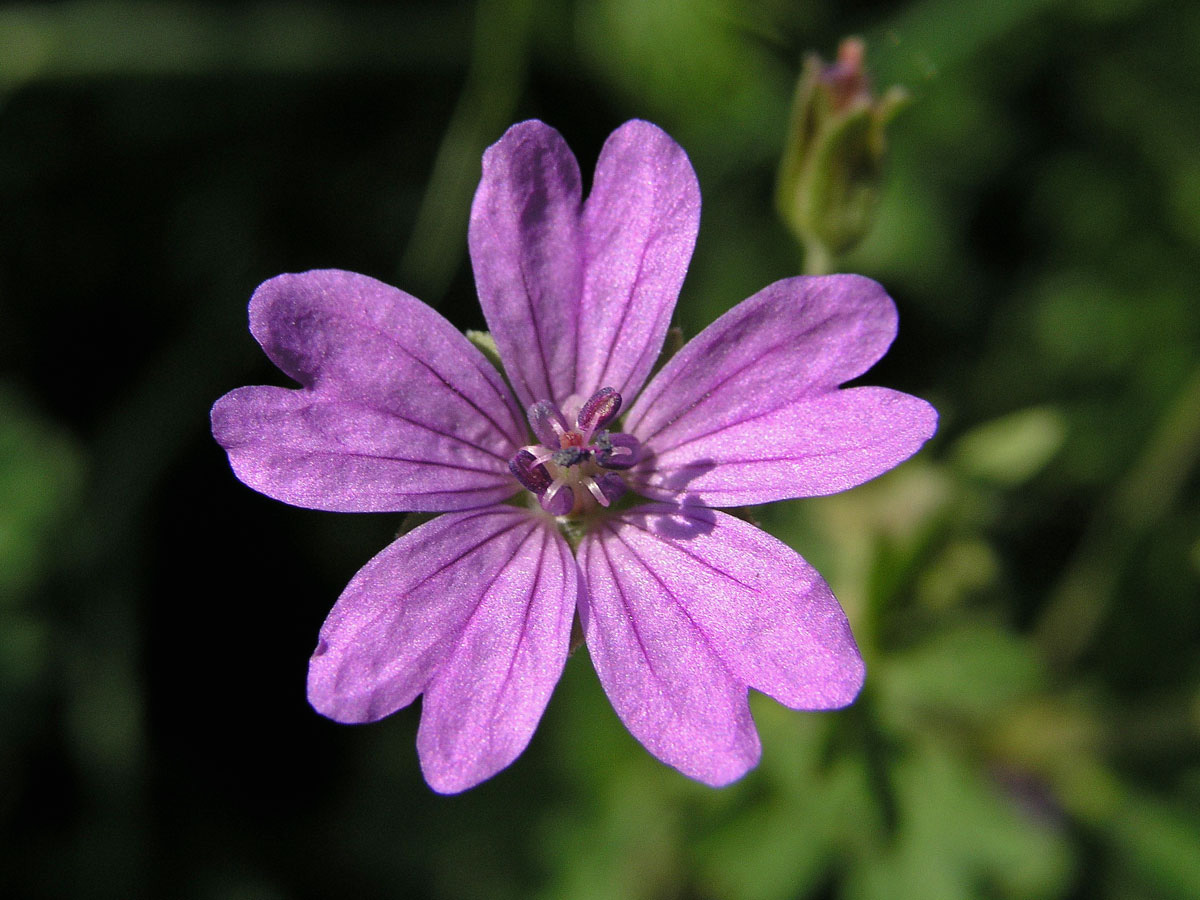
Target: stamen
[
  {"x": 596, "y": 492},
  {"x": 617, "y": 451},
  {"x": 610, "y": 486},
  {"x": 528, "y": 470},
  {"x": 599, "y": 410},
  {"x": 541, "y": 455},
  {"x": 547, "y": 422},
  {"x": 558, "y": 500}
]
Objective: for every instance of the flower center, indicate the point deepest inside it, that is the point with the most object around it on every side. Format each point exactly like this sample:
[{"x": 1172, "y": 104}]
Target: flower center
[{"x": 574, "y": 468}]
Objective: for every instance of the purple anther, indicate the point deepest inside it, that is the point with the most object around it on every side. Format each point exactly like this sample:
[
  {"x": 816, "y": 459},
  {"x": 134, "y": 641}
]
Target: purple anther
[
  {"x": 607, "y": 488},
  {"x": 531, "y": 473},
  {"x": 558, "y": 501},
  {"x": 547, "y": 422},
  {"x": 617, "y": 451},
  {"x": 599, "y": 410}
]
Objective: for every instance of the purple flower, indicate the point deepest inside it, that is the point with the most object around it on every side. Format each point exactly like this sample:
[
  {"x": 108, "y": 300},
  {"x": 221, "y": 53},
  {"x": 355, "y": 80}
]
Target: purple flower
[{"x": 683, "y": 607}]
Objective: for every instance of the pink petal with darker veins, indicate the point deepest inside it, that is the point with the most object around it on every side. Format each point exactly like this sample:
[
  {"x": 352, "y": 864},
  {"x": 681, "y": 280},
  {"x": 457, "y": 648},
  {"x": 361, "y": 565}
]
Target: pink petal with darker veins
[
  {"x": 687, "y": 608},
  {"x": 526, "y": 252},
  {"x": 639, "y": 229},
  {"x": 578, "y": 296},
  {"x": 474, "y": 610},
  {"x": 397, "y": 410},
  {"x": 750, "y": 410}
]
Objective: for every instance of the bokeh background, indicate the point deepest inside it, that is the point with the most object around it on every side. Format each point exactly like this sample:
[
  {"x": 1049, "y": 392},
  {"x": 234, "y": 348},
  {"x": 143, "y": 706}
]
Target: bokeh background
[{"x": 1025, "y": 590}]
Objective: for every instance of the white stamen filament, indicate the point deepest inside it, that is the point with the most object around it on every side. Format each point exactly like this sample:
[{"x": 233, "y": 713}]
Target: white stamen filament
[
  {"x": 595, "y": 489},
  {"x": 555, "y": 486},
  {"x": 541, "y": 455}
]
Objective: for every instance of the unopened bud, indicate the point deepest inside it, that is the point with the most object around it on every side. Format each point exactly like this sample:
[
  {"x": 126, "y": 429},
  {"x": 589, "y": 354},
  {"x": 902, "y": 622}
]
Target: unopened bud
[{"x": 829, "y": 177}]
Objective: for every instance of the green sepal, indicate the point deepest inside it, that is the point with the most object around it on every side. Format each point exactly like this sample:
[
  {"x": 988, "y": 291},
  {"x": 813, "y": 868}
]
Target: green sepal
[{"x": 486, "y": 344}]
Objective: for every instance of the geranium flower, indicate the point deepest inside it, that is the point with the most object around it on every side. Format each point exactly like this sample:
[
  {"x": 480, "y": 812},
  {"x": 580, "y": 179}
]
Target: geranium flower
[{"x": 683, "y": 608}]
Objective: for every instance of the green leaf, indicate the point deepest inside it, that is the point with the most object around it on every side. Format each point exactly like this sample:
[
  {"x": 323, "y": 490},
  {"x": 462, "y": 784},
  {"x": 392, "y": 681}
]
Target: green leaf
[
  {"x": 41, "y": 472},
  {"x": 1160, "y": 841},
  {"x": 1014, "y": 448},
  {"x": 973, "y": 670},
  {"x": 957, "y": 831}
]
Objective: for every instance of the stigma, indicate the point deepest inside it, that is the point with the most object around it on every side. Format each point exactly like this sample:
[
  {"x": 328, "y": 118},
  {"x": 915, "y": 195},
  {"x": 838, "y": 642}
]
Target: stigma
[{"x": 576, "y": 467}]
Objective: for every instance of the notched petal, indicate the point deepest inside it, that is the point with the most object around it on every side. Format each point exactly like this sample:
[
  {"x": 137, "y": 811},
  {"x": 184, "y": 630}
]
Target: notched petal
[
  {"x": 399, "y": 412},
  {"x": 473, "y": 609},
  {"x": 751, "y": 412},
  {"x": 686, "y": 608}
]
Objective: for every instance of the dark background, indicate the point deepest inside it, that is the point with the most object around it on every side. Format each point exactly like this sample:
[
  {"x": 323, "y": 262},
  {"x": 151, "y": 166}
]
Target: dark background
[{"x": 1025, "y": 590}]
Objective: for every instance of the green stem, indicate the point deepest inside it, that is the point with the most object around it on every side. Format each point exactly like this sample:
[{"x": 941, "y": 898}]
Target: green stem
[
  {"x": 1084, "y": 594},
  {"x": 817, "y": 259},
  {"x": 485, "y": 107},
  {"x": 89, "y": 39}
]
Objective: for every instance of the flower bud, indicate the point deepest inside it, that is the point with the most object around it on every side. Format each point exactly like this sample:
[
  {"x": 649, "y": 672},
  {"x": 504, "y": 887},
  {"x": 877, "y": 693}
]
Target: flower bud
[{"x": 829, "y": 176}]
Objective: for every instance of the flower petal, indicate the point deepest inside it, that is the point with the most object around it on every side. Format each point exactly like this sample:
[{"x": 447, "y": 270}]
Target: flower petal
[
  {"x": 809, "y": 448},
  {"x": 474, "y": 609},
  {"x": 765, "y": 612},
  {"x": 664, "y": 676},
  {"x": 528, "y": 259},
  {"x": 749, "y": 411},
  {"x": 685, "y": 608},
  {"x": 397, "y": 411},
  {"x": 639, "y": 229}
]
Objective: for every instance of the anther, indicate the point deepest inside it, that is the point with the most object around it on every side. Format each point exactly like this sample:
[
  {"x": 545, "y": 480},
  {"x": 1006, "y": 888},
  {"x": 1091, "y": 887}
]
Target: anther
[
  {"x": 606, "y": 488},
  {"x": 617, "y": 451},
  {"x": 531, "y": 473},
  {"x": 547, "y": 422},
  {"x": 558, "y": 500},
  {"x": 600, "y": 409},
  {"x": 570, "y": 456}
]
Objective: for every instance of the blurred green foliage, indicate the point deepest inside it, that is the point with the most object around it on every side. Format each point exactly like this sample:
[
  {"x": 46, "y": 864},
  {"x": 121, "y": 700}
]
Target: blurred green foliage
[{"x": 1025, "y": 591}]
